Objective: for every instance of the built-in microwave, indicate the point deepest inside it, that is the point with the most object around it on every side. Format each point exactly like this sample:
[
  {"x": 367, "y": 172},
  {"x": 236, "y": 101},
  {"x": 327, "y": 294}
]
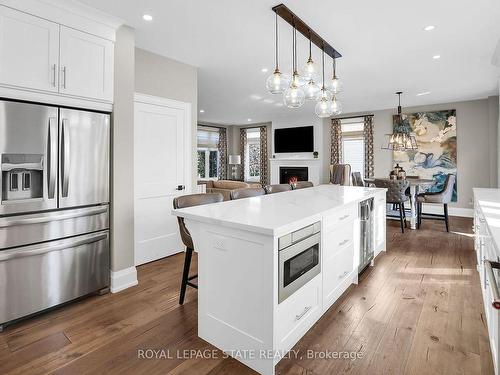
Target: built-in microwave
[{"x": 299, "y": 259}]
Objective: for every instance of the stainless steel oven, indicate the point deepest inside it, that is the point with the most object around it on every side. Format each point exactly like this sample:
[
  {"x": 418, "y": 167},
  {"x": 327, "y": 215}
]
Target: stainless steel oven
[{"x": 299, "y": 259}]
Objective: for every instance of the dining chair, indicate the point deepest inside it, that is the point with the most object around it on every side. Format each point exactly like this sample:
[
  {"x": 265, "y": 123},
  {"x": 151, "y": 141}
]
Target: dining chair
[
  {"x": 357, "y": 180},
  {"x": 246, "y": 193},
  {"x": 303, "y": 185},
  {"x": 185, "y": 201},
  {"x": 278, "y": 188},
  {"x": 396, "y": 196},
  {"x": 340, "y": 174},
  {"x": 442, "y": 197}
]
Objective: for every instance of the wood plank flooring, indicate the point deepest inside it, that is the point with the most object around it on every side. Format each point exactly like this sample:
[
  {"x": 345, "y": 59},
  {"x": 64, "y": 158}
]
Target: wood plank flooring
[{"x": 418, "y": 311}]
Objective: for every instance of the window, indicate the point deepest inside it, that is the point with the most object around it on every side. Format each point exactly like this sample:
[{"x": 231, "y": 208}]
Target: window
[
  {"x": 353, "y": 145},
  {"x": 208, "y": 153},
  {"x": 252, "y": 155}
]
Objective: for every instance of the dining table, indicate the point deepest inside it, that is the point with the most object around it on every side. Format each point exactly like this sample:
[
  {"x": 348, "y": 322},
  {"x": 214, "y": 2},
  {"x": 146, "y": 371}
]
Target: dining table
[{"x": 415, "y": 183}]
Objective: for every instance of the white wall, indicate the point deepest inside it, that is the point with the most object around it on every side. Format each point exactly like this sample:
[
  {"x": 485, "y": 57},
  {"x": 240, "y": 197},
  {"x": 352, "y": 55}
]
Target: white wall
[
  {"x": 122, "y": 199},
  {"x": 476, "y": 143}
]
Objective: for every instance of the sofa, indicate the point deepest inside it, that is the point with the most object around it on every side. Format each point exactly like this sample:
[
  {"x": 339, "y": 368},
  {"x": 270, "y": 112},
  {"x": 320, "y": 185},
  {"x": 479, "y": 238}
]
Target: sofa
[{"x": 225, "y": 186}]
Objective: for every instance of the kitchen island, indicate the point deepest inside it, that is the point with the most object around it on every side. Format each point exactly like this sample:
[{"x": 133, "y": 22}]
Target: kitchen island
[{"x": 269, "y": 267}]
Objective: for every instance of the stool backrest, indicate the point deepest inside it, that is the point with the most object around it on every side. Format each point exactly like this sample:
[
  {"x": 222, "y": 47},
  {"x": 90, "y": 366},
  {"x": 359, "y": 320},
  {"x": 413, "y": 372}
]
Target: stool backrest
[
  {"x": 396, "y": 189},
  {"x": 191, "y": 200},
  {"x": 340, "y": 174},
  {"x": 278, "y": 188},
  {"x": 304, "y": 184},
  {"x": 246, "y": 193}
]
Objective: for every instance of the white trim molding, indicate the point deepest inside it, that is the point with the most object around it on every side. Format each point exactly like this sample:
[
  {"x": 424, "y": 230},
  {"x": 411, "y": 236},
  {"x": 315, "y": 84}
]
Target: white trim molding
[{"x": 123, "y": 279}]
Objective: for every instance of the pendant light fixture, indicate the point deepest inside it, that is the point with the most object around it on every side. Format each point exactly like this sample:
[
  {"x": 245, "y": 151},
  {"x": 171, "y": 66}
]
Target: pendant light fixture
[
  {"x": 277, "y": 82},
  {"x": 401, "y": 139},
  {"x": 335, "y": 84},
  {"x": 311, "y": 70},
  {"x": 323, "y": 107},
  {"x": 336, "y": 106},
  {"x": 294, "y": 96}
]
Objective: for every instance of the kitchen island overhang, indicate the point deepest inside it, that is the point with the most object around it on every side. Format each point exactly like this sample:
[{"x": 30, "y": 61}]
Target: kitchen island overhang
[{"x": 238, "y": 244}]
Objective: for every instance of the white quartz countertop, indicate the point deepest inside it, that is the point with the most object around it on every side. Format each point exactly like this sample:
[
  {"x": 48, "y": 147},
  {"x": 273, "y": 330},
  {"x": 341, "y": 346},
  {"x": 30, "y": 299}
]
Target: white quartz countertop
[
  {"x": 268, "y": 214},
  {"x": 489, "y": 203}
]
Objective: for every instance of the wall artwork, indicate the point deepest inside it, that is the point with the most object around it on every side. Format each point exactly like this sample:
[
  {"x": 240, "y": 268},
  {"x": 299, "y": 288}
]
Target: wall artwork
[{"x": 436, "y": 134}]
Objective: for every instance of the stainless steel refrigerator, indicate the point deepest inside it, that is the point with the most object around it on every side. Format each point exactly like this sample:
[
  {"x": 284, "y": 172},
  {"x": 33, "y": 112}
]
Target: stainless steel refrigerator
[{"x": 54, "y": 211}]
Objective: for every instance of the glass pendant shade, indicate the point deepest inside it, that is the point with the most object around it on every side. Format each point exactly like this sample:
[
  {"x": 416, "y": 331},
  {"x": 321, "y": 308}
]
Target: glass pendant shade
[
  {"x": 311, "y": 71},
  {"x": 311, "y": 90},
  {"x": 336, "y": 85},
  {"x": 324, "y": 94},
  {"x": 294, "y": 97},
  {"x": 336, "y": 106},
  {"x": 323, "y": 108},
  {"x": 277, "y": 83}
]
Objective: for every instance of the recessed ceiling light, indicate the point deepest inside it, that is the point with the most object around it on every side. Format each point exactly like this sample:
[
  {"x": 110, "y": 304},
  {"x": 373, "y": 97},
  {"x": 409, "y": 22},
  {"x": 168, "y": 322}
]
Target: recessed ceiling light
[
  {"x": 423, "y": 93},
  {"x": 264, "y": 70},
  {"x": 429, "y": 28},
  {"x": 202, "y": 111},
  {"x": 147, "y": 17},
  {"x": 436, "y": 57},
  {"x": 249, "y": 119}
]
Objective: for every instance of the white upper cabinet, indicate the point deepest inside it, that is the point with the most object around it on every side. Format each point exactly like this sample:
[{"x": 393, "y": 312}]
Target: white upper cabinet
[
  {"x": 42, "y": 57},
  {"x": 86, "y": 65},
  {"x": 29, "y": 51}
]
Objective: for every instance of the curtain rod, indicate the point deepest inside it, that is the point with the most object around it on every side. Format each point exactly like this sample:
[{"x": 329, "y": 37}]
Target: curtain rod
[
  {"x": 349, "y": 117},
  {"x": 212, "y": 126}
]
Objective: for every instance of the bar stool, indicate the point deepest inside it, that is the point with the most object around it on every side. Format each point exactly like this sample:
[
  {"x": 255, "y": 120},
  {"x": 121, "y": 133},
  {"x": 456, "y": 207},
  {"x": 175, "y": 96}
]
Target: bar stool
[
  {"x": 443, "y": 197},
  {"x": 185, "y": 201},
  {"x": 278, "y": 188},
  {"x": 396, "y": 196},
  {"x": 246, "y": 193}
]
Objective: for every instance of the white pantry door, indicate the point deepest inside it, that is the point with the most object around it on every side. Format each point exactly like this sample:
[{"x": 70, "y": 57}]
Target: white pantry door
[{"x": 162, "y": 166}]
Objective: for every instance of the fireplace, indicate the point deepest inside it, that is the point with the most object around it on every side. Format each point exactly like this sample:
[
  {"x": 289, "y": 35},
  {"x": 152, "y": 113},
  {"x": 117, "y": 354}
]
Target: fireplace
[{"x": 286, "y": 173}]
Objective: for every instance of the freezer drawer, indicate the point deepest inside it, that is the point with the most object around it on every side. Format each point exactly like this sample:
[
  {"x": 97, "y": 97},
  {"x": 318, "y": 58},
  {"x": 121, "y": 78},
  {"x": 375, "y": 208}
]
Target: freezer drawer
[
  {"x": 37, "y": 277},
  {"x": 47, "y": 226}
]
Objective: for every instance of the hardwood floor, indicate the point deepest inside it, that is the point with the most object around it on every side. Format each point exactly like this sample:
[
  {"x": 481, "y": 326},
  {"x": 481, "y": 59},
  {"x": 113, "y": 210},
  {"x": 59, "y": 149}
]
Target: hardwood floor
[{"x": 418, "y": 311}]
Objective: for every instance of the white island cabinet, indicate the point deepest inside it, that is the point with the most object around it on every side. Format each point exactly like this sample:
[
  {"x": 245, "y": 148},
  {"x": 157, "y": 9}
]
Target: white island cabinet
[
  {"x": 487, "y": 244},
  {"x": 242, "y": 307}
]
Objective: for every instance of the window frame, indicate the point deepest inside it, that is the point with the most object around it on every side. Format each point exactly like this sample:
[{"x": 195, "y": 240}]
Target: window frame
[
  {"x": 207, "y": 151},
  {"x": 352, "y": 136}
]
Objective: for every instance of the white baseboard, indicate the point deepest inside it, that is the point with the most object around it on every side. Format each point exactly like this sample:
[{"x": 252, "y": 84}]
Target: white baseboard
[
  {"x": 452, "y": 211},
  {"x": 123, "y": 279}
]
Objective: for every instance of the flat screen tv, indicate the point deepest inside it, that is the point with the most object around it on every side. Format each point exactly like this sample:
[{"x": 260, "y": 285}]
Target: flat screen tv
[{"x": 300, "y": 139}]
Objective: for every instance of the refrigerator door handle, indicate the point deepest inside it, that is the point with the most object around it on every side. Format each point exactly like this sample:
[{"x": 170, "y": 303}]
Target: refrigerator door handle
[
  {"x": 15, "y": 254},
  {"x": 52, "y": 158},
  {"x": 65, "y": 161},
  {"x": 12, "y": 222}
]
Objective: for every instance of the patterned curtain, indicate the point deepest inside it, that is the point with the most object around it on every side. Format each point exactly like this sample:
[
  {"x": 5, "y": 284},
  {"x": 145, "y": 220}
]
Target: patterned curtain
[
  {"x": 264, "y": 173},
  {"x": 368, "y": 138},
  {"x": 243, "y": 143},
  {"x": 336, "y": 142},
  {"x": 222, "y": 146}
]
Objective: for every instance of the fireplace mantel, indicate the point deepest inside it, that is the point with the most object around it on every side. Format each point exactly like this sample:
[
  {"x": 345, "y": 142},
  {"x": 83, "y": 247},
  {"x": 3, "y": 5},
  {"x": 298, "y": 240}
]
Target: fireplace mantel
[{"x": 313, "y": 165}]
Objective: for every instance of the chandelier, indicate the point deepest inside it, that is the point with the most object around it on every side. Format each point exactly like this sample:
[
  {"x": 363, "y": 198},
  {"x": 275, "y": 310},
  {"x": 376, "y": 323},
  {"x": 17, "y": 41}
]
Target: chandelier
[
  {"x": 401, "y": 139},
  {"x": 303, "y": 85}
]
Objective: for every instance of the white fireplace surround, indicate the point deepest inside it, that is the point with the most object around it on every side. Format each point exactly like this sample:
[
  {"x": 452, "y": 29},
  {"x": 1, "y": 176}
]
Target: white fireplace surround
[{"x": 313, "y": 168}]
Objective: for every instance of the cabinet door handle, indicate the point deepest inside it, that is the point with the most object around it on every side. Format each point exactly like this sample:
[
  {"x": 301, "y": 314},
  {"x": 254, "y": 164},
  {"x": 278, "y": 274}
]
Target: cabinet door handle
[
  {"x": 63, "y": 79},
  {"x": 54, "y": 72},
  {"x": 344, "y": 217},
  {"x": 301, "y": 315},
  {"x": 344, "y": 242},
  {"x": 493, "y": 282}
]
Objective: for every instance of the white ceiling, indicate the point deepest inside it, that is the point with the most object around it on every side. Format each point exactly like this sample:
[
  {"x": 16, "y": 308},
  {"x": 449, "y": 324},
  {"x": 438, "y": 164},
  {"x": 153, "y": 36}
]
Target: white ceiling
[{"x": 383, "y": 43}]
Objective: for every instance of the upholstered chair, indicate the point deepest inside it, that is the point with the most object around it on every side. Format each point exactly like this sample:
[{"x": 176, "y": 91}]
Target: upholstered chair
[
  {"x": 184, "y": 201},
  {"x": 304, "y": 184},
  {"x": 357, "y": 180},
  {"x": 278, "y": 188},
  {"x": 441, "y": 197},
  {"x": 396, "y": 196},
  {"x": 340, "y": 174},
  {"x": 246, "y": 193}
]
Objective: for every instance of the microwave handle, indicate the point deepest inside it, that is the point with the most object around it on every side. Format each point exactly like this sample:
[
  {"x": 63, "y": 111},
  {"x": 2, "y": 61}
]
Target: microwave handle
[
  {"x": 52, "y": 158},
  {"x": 488, "y": 265}
]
